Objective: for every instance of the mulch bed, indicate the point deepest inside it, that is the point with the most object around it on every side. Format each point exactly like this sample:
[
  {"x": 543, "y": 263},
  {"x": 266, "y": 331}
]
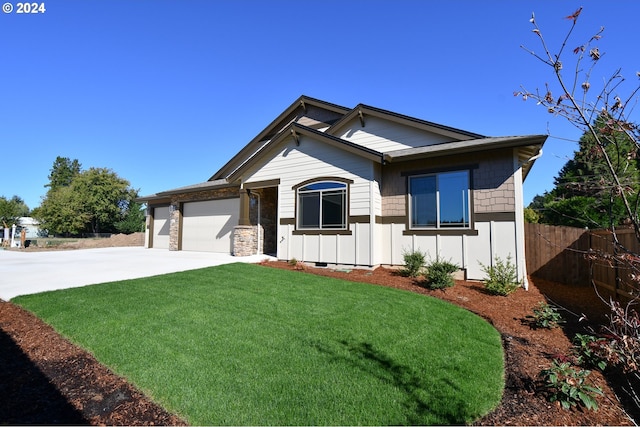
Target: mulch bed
[{"x": 47, "y": 380}]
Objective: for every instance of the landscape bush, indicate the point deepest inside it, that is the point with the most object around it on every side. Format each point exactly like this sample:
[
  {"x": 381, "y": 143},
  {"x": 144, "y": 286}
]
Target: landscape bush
[
  {"x": 568, "y": 386},
  {"x": 545, "y": 316},
  {"x": 588, "y": 351},
  {"x": 502, "y": 277},
  {"x": 438, "y": 274},
  {"x": 414, "y": 262}
]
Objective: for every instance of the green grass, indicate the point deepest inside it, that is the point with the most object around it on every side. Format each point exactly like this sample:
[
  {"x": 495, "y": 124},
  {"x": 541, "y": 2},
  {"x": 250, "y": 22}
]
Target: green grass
[{"x": 244, "y": 344}]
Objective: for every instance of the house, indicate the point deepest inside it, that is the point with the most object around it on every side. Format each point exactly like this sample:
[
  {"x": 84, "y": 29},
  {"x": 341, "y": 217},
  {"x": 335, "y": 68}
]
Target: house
[
  {"x": 31, "y": 225},
  {"x": 331, "y": 185}
]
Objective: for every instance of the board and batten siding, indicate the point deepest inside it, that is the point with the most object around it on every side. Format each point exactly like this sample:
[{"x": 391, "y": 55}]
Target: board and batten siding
[
  {"x": 494, "y": 238},
  {"x": 497, "y": 193},
  {"x": 384, "y": 135},
  {"x": 293, "y": 164}
]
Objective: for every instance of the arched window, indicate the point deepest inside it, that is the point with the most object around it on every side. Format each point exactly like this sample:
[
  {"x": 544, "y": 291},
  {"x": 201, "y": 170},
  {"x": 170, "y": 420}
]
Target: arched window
[{"x": 322, "y": 205}]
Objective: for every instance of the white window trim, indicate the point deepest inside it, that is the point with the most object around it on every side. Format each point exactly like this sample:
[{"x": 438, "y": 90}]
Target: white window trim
[{"x": 343, "y": 188}]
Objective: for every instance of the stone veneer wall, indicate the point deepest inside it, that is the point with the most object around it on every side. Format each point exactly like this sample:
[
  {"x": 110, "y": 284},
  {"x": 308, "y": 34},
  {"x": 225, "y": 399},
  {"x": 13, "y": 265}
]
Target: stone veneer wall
[
  {"x": 174, "y": 226},
  {"x": 245, "y": 239}
]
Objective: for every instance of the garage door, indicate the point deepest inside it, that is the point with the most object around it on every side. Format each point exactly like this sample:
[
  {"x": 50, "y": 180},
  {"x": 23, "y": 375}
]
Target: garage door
[
  {"x": 208, "y": 226},
  {"x": 160, "y": 238}
]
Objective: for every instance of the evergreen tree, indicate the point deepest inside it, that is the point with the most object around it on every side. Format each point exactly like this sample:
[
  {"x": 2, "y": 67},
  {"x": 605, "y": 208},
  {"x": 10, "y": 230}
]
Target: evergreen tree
[
  {"x": 583, "y": 195},
  {"x": 62, "y": 172}
]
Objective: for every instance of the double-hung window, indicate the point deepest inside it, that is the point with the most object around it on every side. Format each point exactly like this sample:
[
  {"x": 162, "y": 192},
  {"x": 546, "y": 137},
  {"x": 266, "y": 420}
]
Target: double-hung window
[
  {"x": 322, "y": 205},
  {"x": 439, "y": 200}
]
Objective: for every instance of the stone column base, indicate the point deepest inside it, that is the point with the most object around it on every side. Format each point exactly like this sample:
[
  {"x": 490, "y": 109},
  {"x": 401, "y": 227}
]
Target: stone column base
[{"x": 245, "y": 240}]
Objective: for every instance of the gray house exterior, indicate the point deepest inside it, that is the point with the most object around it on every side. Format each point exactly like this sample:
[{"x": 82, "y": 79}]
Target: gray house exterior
[{"x": 360, "y": 186}]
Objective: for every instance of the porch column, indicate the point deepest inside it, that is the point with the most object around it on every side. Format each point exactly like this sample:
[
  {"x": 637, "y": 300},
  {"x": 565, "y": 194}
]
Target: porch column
[
  {"x": 244, "y": 234},
  {"x": 244, "y": 208}
]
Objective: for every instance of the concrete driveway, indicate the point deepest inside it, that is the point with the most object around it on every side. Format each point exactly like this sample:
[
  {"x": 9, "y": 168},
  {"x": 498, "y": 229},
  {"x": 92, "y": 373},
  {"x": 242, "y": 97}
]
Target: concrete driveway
[{"x": 23, "y": 273}]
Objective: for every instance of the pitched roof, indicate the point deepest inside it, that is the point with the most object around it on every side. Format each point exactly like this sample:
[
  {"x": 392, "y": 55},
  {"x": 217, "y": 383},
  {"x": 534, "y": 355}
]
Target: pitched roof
[
  {"x": 207, "y": 185},
  {"x": 276, "y": 126},
  {"x": 362, "y": 110},
  {"x": 529, "y": 145},
  {"x": 345, "y": 115},
  {"x": 306, "y": 115},
  {"x": 295, "y": 130}
]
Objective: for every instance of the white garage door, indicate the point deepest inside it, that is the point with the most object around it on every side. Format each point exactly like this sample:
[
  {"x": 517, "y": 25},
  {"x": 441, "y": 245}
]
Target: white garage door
[
  {"x": 208, "y": 226},
  {"x": 160, "y": 238}
]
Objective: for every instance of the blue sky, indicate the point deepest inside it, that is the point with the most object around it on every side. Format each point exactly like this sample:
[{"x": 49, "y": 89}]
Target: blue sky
[{"x": 165, "y": 92}]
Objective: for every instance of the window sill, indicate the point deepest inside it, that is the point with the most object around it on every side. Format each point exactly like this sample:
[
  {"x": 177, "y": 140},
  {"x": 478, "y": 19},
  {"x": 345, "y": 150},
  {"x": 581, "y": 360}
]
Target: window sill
[
  {"x": 324, "y": 232},
  {"x": 441, "y": 232}
]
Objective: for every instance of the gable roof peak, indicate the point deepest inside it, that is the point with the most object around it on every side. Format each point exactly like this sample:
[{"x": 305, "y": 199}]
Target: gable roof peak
[
  {"x": 362, "y": 110},
  {"x": 322, "y": 110}
]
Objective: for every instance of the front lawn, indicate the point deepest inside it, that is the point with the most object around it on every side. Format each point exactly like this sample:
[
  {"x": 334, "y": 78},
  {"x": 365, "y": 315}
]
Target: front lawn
[{"x": 244, "y": 344}]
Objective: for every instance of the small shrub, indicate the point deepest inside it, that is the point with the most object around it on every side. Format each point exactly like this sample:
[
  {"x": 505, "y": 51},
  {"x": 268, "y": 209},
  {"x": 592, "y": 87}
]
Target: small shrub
[
  {"x": 297, "y": 265},
  {"x": 588, "y": 350},
  {"x": 413, "y": 263},
  {"x": 439, "y": 274},
  {"x": 569, "y": 386},
  {"x": 546, "y": 316},
  {"x": 502, "y": 277}
]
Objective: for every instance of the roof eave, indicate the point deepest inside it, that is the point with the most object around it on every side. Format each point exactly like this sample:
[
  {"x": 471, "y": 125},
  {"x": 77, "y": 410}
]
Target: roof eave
[
  {"x": 295, "y": 130},
  {"x": 403, "y": 119},
  {"x": 459, "y": 147},
  {"x": 247, "y": 150},
  {"x": 152, "y": 198},
  {"x": 204, "y": 186}
]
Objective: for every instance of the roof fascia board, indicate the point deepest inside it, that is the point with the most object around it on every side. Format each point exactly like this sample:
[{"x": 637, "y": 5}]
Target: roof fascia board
[
  {"x": 254, "y": 144},
  {"x": 152, "y": 199},
  {"x": 296, "y": 129},
  {"x": 207, "y": 185},
  {"x": 448, "y": 131},
  {"x": 449, "y": 148}
]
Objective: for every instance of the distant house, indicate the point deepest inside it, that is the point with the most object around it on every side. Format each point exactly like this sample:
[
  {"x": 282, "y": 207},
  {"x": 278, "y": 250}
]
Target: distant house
[
  {"x": 358, "y": 186},
  {"x": 31, "y": 225}
]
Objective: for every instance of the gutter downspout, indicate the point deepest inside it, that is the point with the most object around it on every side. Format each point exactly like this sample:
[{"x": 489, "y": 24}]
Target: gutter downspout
[
  {"x": 536, "y": 157},
  {"x": 525, "y": 281},
  {"x": 258, "y": 250}
]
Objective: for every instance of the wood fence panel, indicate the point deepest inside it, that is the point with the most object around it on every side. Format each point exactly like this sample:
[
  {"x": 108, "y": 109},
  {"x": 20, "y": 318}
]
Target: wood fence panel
[
  {"x": 557, "y": 253},
  {"x": 608, "y": 271},
  {"x": 574, "y": 256}
]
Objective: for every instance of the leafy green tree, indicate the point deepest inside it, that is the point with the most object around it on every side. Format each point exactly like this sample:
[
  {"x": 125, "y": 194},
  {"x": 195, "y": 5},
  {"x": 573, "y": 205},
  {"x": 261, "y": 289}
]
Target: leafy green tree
[
  {"x": 11, "y": 210},
  {"x": 61, "y": 213},
  {"x": 96, "y": 200},
  {"x": 531, "y": 216},
  {"x": 134, "y": 219},
  {"x": 103, "y": 198}
]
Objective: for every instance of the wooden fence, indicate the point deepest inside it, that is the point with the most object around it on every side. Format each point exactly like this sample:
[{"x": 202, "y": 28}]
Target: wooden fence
[
  {"x": 609, "y": 271},
  {"x": 575, "y": 256}
]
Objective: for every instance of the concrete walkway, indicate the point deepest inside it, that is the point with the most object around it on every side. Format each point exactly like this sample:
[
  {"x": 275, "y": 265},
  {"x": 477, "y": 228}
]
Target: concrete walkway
[{"x": 23, "y": 273}]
